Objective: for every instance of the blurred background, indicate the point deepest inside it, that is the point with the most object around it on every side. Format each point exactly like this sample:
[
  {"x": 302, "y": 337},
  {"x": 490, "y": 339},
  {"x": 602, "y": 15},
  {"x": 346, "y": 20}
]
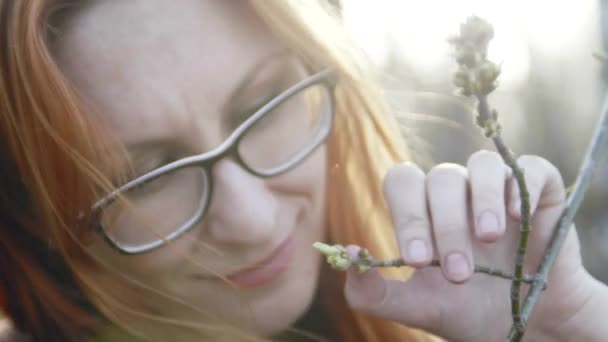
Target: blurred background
[{"x": 550, "y": 93}]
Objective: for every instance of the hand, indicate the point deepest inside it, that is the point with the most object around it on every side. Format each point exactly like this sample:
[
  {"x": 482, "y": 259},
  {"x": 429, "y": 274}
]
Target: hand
[{"x": 462, "y": 217}]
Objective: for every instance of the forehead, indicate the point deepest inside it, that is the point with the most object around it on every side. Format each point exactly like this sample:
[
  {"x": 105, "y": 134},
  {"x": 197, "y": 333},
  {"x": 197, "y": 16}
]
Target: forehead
[{"x": 142, "y": 58}]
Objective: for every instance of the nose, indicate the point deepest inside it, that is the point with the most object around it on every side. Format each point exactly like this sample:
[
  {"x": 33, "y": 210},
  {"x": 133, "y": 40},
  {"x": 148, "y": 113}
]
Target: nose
[{"x": 242, "y": 210}]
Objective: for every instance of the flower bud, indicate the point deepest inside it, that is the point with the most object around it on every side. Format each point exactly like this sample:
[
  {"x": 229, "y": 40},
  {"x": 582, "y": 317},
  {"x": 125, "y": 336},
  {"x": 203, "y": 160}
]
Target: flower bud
[
  {"x": 326, "y": 249},
  {"x": 466, "y": 55},
  {"x": 461, "y": 79},
  {"x": 362, "y": 267},
  {"x": 363, "y": 253},
  {"x": 341, "y": 264},
  {"x": 488, "y": 73}
]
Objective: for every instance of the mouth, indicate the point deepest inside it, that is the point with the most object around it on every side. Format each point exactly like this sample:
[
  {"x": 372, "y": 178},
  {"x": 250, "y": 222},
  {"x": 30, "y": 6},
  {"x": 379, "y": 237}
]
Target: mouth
[
  {"x": 263, "y": 271},
  {"x": 267, "y": 269}
]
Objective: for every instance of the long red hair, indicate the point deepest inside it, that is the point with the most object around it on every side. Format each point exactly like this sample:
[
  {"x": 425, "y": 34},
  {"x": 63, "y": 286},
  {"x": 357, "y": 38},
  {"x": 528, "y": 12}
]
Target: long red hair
[
  {"x": 47, "y": 150},
  {"x": 50, "y": 148}
]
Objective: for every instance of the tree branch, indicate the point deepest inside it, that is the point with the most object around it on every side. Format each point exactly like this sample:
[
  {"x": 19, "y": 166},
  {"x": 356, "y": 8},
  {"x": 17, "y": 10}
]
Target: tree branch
[
  {"x": 477, "y": 77},
  {"x": 339, "y": 259},
  {"x": 596, "y": 146}
]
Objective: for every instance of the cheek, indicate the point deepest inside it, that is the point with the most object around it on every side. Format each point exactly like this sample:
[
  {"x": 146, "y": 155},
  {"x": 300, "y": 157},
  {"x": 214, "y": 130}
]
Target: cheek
[
  {"x": 305, "y": 183},
  {"x": 151, "y": 265},
  {"x": 308, "y": 178}
]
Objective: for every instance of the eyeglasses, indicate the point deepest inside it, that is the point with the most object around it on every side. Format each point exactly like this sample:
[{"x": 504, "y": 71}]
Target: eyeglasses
[{"x": 135, "y": 218}]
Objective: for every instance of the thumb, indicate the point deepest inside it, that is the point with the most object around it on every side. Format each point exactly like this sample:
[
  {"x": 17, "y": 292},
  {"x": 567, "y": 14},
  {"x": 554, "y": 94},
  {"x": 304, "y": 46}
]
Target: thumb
[
  {"x": 394, "y": 300},
  {"x": 365, "y": 291}
]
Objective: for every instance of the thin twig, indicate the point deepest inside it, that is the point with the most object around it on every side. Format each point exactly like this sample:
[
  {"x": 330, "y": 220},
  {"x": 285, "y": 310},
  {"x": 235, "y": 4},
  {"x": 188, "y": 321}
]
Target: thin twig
[
  {"x": 485, "y": 114},
  {"x": 596, "y": 146},
  {"x": 477, "y": 76},
  {"x": 398, "y": 262},
  {"x": 339, "y": 259}
]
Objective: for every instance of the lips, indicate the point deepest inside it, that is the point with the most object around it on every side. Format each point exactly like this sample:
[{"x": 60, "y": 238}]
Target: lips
[{"x": 267, "y": 269}]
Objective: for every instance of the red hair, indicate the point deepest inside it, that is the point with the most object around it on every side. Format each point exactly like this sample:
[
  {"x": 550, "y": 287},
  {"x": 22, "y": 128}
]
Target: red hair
[{"x": 48, "y": 147}]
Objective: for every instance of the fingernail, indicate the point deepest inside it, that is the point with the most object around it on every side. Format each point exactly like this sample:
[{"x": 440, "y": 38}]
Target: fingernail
[
  {"x": 458, "y": 267},
  {"x": 416, "y": 251},
  {"x": 487, "y": 223}
]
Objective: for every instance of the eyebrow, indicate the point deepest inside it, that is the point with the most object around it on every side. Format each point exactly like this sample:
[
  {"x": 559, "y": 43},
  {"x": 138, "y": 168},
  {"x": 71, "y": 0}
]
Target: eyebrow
[
  {"x": 146, "y": 145},
  {"x": 141, "y": 147},
  {"x": 252, "y": 74}
]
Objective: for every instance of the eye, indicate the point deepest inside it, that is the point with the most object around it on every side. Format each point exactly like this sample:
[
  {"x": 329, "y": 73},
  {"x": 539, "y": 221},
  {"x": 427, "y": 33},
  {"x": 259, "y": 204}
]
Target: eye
[
  {"x": 148, "y": 166},
  {"x": 149, "y": 188},
  {"x": 145, "y": 164},
  {"x": 241, "y": 116}
]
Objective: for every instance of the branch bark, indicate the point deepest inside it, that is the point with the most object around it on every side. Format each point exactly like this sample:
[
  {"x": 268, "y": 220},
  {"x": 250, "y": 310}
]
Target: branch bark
[
  {"x": 583, "y": 180},
  {"x": 486, "y": 116}
]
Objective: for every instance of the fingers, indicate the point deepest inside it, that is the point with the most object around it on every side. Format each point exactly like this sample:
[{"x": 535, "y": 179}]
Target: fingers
[
  {"x": 447, "y": 211},
  {"x": 408, "y": 191},
  {"x": 404, "y": 188},
  {"x": 544, "y": 183},
  {"x": 447, "y": 197},
  {"x": 389, "y": 299},
  {"x": 547, "y": 197},
  {"x": 487, "y": 177},
  {"x": 450, "y": 210}
]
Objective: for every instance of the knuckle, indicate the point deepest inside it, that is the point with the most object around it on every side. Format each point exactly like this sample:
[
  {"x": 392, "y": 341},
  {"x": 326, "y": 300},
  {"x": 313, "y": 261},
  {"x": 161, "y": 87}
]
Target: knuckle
[
  {"x": 544, "y": 178},
  {"x": 449, "y": 230},
  {"x": 487, "y": 196},
  {"x": 364, "y": 301},
  {"x": 533, "y": 182},
  {"x": 452, "y": 237},
  {"x": 534, "y": 169},
  {"x": 353, "y": 299},
  {"x": 492, "y": 192},
  {"x": 411, "y": 222}
]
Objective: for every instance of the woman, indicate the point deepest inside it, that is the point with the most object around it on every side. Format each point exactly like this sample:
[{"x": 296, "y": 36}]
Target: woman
[{"x": 168, "y": 165}]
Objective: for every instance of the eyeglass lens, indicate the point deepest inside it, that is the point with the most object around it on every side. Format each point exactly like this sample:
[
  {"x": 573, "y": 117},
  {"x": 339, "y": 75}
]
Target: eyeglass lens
[{"x": 170, "y": 204}]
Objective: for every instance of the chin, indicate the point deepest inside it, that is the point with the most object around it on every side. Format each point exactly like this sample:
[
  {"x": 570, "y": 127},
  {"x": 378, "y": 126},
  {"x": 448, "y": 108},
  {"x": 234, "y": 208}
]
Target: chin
[{"x": 291, "y": 297}]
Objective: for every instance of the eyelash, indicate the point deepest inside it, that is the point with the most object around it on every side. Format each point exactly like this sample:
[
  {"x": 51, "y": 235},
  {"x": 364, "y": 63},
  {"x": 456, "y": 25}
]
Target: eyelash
[
  {"x": 168, "y": 157},
  {"x": 154, "y": 164},
  {"x": 244, "y": 115}
]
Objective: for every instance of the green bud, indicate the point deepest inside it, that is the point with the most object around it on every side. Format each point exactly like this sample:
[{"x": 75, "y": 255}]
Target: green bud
[
  {"x": 465, "y": 92},
  {"x": 466, "y": 55},
  {"x": 326, "y": 249},
  {"x": 341, "y": 264},
  {"x": 461, "y": 79},
  {"x": 362, "y": 267},
  {"x": 341, "y": 248},
  {"x": 488, "y": 88},
  {"x": 363, "y": 253},
  {"x": 488, "y": 73},
  {"x": 475, "y": 88},
  {"x": 493, "y": 129}
]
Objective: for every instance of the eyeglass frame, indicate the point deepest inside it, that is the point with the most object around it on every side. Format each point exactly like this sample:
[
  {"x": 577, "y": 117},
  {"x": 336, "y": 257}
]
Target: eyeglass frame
[{"x": 206, "y": 160}]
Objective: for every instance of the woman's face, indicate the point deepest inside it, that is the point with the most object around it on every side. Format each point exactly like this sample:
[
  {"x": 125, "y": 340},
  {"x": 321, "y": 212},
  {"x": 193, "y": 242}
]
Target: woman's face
[{"x": 172, "y": 77}]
